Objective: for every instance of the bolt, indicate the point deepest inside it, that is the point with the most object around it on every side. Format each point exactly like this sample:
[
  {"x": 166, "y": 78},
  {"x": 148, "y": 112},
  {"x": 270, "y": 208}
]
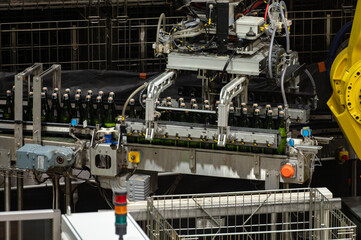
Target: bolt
[
  {"x": 132, "y": 157},
  {"x": 300, "y": 178},
  {"x": 267, "y": 174}
]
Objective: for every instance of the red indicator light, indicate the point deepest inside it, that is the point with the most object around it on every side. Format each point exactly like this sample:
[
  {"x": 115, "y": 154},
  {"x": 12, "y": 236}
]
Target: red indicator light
[{"x": 121, "y": 199}]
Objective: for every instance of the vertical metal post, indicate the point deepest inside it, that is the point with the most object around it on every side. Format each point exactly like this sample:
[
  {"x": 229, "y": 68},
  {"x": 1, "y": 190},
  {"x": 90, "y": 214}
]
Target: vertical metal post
[
  {"x": 74, "y": 48},
  {"x": 67, "y": 194},
  {"x": 7, "y": 192},
  {"x": 56, "y": 195},
  {"x": 18, "y": 107},
  {"x": 13, "y": 48},
  {"x": 20, "y": 186},
  {"x": 37, "y": 110},
  {"x": 328, "y": 30},
  {"x": 142, "y": 48}
]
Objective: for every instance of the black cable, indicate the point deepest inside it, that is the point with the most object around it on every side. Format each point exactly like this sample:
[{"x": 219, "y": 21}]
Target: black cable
[{"x": 227, "y": 63}]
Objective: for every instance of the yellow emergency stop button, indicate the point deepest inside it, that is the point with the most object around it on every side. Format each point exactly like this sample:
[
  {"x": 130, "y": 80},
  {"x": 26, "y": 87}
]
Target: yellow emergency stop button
[{"x": 134, "y": 157}]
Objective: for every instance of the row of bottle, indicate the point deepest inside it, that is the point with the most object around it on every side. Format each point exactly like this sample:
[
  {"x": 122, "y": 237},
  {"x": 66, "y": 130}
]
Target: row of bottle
[
  {"x": 244, "y": 120},
  {"x": 66, "y": 113},
  {"x": 255, "y": 120}
]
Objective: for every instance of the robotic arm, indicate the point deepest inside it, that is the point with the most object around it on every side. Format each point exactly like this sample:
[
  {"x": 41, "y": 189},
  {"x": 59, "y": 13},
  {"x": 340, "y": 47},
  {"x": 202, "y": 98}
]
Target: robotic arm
[{"x": 345, "y": 102}]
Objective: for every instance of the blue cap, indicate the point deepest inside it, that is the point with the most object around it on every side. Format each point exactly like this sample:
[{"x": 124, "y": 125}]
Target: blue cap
[
  {"x": 291, "y": 142},
  {"x": 108, "y": 138},
  {"x": 306, "y": 132},
  {"x": 74, "y": 122}
]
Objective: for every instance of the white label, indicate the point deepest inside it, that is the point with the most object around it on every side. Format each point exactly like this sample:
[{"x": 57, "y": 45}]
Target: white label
[{"x": 41, "y": 162}]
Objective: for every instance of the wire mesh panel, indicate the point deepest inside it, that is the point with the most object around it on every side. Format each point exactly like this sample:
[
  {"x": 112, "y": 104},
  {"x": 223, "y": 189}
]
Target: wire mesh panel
[
  {"x": 139, "y": 2},
  {"x": 279, "y": 214},
  {"x": 78, "y": 44},
  {"x": 126, "y": 43},
  {"x": 132, "y": 41},
  {"x": 312, "y": 32},
  {"x": 29, "y": 4}
]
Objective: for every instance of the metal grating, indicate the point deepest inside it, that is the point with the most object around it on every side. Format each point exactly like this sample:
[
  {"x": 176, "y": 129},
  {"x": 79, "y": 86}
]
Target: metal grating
[
  {"x": 124, "y": 43},
  {"x": 276, "y": 214},
  {"x": 78, "y": 44},
  {"x": 34, "y": 4}
]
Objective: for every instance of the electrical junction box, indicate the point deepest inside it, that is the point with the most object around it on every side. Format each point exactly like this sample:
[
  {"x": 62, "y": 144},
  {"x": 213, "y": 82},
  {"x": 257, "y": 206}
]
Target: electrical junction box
[
  {"x": 248, "y": 24},
  {"x": 42, "y": 158}
]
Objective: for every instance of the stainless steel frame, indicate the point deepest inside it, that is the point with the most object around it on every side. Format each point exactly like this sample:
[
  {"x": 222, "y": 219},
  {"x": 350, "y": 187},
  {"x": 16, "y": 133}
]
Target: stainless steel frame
[
  {"x": 279, "y": 214},
  {"x": 55, "y": 215},
  {"x": 55, "y": 70}
]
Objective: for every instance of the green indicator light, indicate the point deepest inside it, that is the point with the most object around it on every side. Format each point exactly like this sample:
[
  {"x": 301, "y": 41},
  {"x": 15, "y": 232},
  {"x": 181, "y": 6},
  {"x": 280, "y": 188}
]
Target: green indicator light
[{"x": 121, "y": 220}]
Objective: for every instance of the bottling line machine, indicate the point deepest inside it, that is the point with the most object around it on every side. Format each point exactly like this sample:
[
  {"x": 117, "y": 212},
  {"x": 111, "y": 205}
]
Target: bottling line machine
[{"x": 228, "y": 49}]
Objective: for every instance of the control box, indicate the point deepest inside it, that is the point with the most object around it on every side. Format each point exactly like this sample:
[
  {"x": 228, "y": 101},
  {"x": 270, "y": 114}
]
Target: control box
[{"x": 43, "y": 158}]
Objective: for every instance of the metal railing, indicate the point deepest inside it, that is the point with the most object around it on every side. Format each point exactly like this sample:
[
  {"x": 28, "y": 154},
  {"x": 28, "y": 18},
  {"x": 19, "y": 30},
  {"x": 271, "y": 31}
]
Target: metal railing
[
  {"x": 54, "y": 215},
  {"x": 275, "y": 214}
]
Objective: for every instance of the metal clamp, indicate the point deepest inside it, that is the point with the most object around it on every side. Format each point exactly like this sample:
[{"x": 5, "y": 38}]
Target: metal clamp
[
  {"x": 155, "y": 88},
  {"x": 228, "y": 92}
]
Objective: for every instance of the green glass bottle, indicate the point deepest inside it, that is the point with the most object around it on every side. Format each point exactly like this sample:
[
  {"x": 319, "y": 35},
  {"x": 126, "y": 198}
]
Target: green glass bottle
[
  {"x": 89, "y": 110},
  {"x": 231, "y": 117},
  {"x": 182, "y": 118},
  {"x": 132, "y": 113},
  {"x": 55, "y": 111},
  {"x": 195, "y": 119},
  {"x": 68, "y": 91},
  {"x": 45, "y": 90},
  {"x": 282, "y": 128},
  {"x": 66, "y": 113},
  {"x": 142, "y": 110},
  {"x": 44, "y": 108},
  {"x": 244, "y": 118},
  {"x": 99, "y": 112},
  {"x": 256, "y": 124},
  {"x": 256, "y": 119},
  {"x": 109, "y": 121},
  {"x": 180, "y": 101},
  {"x": 244, "y": 123},
  {"x": 207, "y": 144},
  {"x": 195, "y": 115},
  {"x": 101, "y": 94},
  {"x": 207, "y": 116},
  {"x": 205, "y": 103},
  {"x": 90, "y": 93},
  {"x": 182, "y": 114},
  {"x": 78, "y": 110},
  {"x": 169, "y": 113},
  {"x": 269, "y": 125},
  {"x": 9, "y": 110},
  {"x": 112, "y": 95},
  {"x": 29, "y": 109}
]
